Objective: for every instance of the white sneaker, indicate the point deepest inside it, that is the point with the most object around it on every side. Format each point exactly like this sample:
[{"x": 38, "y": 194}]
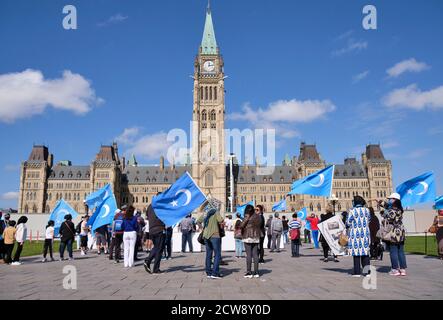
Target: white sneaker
[
  {"x": 83, "y": 253},
  {"x": 44, "y": 260},
  {"x": 394, "y": 273},
  {"x": 17, "y": 263}
]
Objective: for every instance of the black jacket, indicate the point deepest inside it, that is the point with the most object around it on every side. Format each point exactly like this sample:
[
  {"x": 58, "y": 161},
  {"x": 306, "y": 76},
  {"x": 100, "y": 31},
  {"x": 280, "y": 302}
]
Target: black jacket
[
  {"x": 156, "y": 226},
  {"x": 67, "y": 231},
  {"x": 262, "y": 226}
]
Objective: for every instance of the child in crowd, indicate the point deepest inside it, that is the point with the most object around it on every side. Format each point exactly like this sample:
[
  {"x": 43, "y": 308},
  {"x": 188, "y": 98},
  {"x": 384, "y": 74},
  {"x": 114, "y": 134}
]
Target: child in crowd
[
  {"x": 9, "y": 238},
  {"x": 49, "y": 239}
]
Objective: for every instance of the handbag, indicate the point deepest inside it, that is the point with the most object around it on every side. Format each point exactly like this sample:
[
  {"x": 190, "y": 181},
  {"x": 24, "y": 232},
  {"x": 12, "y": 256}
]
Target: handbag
[
  {"x": 343, "y": 239},
  {"x": 433, "y": 229},
  {"x": 200, "y": 238},
  {"x": 221, "y": 230},
  {"x": 385, "y": 232}
]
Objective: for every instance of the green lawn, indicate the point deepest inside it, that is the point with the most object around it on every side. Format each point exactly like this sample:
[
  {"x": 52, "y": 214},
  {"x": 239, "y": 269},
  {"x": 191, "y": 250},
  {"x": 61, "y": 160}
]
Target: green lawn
[
  {"x": 416, "y": 245},
  {"x": 35, "y": 248},
  {"x": 413, "y": 245}
]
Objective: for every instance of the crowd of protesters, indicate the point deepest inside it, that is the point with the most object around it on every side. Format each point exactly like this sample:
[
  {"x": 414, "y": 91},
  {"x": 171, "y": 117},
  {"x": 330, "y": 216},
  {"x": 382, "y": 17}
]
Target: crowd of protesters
[{"x": 367, "y": 237}]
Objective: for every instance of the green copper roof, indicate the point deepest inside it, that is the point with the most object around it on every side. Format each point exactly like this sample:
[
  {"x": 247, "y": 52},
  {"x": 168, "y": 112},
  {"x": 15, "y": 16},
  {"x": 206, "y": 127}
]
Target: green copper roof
[
  {"x": 287, "y": 161},
  {"x": 209, "y": 43},
  {"x": 132, "y": 162}
]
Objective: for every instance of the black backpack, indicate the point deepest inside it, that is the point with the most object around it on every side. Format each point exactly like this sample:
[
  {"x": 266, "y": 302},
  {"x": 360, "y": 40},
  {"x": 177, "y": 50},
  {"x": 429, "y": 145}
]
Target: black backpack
[{"x": 78, "y": 228}]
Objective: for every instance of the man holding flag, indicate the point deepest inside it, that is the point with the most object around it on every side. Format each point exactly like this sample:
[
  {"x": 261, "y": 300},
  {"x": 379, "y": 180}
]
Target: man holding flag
[{"x": 168, "y": 209}]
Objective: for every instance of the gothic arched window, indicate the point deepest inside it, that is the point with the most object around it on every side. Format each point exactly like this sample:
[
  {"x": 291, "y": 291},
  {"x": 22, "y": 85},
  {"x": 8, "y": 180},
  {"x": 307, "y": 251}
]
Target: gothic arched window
[
  {"x": 311, "y": 207},
  {"x": 201, "y": 93},
  {"x": 210, "y": 93},
  {"x": 206, "y": 93},
  {"x": 209, "y": 178},
  {"x": 26, "y": 208},
  {"x": 213, "y": 116},
  {"x": 215, "y": 93},
  {"x": 204, "y": 115}
]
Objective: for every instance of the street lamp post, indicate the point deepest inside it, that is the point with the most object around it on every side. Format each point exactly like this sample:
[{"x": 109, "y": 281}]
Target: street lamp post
[
  {"x": 231, "y": 180},
  {"x": 333, "y": 199}
]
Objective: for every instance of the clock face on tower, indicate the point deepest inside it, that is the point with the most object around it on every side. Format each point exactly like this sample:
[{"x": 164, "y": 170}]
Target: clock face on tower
[{"x": 209, "y": 66}]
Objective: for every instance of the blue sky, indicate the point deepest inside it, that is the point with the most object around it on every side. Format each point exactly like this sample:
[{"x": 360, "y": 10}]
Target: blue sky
[{"x": 128, "y": 65}]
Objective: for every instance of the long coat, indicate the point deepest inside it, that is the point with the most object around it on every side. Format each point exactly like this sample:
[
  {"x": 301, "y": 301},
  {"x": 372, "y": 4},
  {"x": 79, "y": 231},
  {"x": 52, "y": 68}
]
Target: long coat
[{"x": 359, "y": 233}]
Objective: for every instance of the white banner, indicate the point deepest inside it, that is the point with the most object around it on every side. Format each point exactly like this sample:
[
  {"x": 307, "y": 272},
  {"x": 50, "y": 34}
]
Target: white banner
[{"x": 331, "y": 230}]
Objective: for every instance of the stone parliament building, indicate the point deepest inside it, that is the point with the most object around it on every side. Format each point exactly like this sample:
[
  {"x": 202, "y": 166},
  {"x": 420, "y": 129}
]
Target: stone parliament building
[{"x": 43, "y": 182}]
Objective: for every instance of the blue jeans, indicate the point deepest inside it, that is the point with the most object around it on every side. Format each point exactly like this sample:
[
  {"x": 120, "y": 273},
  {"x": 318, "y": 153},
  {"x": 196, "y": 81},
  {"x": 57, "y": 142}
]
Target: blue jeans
[
  {"x": 68, "y": 245},
  {"x": 315, "y": 238},
  {"x": 187, "y": 238},
  {"x": 238, "y": 247},
  {"x": 285, "y": 236},
  {"x": 398, "y": 258},
  {"x": 213, "y": 247}
]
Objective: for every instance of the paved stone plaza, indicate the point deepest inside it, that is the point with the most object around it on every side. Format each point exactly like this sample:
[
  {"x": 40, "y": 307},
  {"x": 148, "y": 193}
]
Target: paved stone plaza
[{"x": 283, "y": 277}]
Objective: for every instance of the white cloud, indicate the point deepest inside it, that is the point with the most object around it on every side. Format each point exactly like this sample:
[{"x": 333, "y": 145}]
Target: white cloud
[
  {"x": 435, "y": 131},
  {"x": 417, "y": 154},
  {"x": 149, "y": 147},
  {"x": 128, "y": 135},
  {"x": 410, "y": 65},
  {"x": 359, "y": 77},
  {"x": 352, "y": 46},
  {"x": 344, "y": 35},
  {"x": 12, "y": 195},
  {"x": 282, "y": 114},
  {"x": 412, "y": 97},
  {"x": 389, "y": 144},
  {"x": 12, "y": 167},
  {"x": 28, "y": 93},
  {"x": 113, "y": 20}
]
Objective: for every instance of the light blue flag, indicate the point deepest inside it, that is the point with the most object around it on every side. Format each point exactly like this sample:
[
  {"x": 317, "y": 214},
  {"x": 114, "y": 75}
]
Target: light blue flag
[
  {"x": 94, "y": 199},
  {"x": 104, "y": 214},
  {"x": 279, "y": 206},
  {"x": 62, "y": 208},
  {"x": 302, "y": 214},
  {"x": 241, "y": 209},
  {"x": 439, "y": 203},
  {"x": 179, "y": 200},
  {"x": 316, "y": 184},
  {"x": 417, "y": 190}
]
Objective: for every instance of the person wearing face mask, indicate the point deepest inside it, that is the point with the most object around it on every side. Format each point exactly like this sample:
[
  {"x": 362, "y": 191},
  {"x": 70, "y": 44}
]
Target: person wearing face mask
[{"x": 393, "y": 216}]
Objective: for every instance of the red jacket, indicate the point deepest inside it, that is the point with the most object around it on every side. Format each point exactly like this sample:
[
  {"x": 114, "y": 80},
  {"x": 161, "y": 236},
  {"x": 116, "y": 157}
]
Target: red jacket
[{"x": 314, "y": 223}]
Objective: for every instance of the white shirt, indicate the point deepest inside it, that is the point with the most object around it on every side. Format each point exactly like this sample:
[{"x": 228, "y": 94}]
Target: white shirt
[
  {"x": 49, "y": 234},
  {"x": 146, "y": 227},
  {"x": 229, "y": 225},
  {"x": 84, "y": 228},
  {"x": 21, "y": 234}
]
